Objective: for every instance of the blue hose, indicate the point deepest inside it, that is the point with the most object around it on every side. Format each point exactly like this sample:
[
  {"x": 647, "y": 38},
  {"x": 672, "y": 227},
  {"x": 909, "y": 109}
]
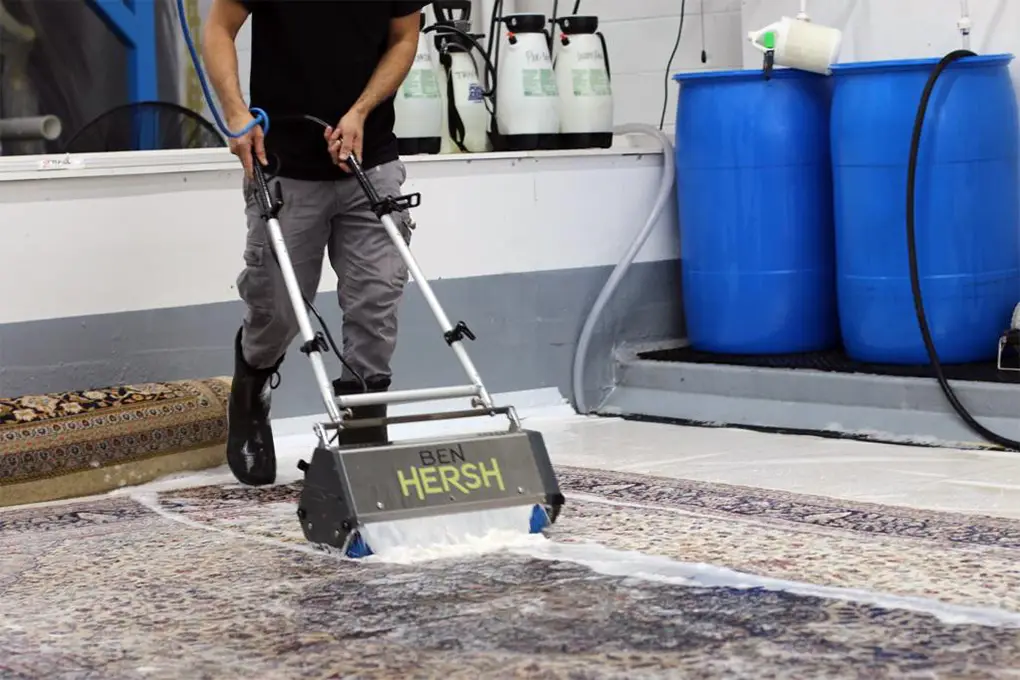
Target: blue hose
[{"x": 261, "y": 117}]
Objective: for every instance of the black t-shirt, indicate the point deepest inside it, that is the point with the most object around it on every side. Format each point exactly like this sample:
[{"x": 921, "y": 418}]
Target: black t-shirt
[{"x": 316, "y": 57}]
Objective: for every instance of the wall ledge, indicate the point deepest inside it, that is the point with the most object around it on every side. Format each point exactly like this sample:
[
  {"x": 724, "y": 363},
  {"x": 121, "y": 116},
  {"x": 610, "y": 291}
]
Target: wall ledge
[
  {"x": 880, "y": 408},
  {"x": 117, "y": 163}
]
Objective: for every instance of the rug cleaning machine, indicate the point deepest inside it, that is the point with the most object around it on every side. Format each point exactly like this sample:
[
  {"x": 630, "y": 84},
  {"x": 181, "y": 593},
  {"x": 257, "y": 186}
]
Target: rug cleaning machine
[
  {"x": 352, "y": 493},
  {"x": 347, "y": 488}
]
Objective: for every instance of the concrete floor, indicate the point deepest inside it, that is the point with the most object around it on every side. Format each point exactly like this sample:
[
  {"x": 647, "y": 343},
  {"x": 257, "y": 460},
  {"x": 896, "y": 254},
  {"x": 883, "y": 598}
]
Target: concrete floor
[
  {"x": 951, "y": 480},
  {"x": 967, "y": 481}
]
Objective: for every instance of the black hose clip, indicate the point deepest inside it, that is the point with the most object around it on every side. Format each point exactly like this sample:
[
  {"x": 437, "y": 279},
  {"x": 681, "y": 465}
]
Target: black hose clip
[
  {"x": 270, "y": 201},
  {"x": 318, "y": 344},
  {"x": 458, "y": 333},
  {"x": 391, "y": 204}
]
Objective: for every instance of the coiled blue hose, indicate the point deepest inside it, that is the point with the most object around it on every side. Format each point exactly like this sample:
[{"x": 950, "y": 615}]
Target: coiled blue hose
[{"x": 261, "y": 117}]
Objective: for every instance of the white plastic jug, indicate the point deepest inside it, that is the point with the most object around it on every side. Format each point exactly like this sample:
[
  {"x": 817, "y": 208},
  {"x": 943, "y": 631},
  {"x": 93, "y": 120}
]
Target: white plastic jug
[
  {"x": 584, "y": 83},
  {"x": 468, "y": 104},
  {"x": 527, "y": 96},
  {"x": 418, "y": 106},
  {"x": 800, "y": 44}
]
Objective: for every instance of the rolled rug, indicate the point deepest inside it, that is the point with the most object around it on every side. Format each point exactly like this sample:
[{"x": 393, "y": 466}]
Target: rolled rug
[{"x": 72, "y": 444}]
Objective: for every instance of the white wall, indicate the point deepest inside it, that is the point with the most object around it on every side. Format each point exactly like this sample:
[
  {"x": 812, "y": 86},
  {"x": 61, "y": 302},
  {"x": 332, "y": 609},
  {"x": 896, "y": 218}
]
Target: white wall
[
  {"x": 91, "y": 222},
  {"x": 640, "y": 35}
]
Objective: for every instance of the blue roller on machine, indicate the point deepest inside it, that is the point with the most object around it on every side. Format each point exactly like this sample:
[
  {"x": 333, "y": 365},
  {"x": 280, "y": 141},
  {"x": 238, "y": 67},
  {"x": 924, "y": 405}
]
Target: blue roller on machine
[{"x": 358, "y": 495}]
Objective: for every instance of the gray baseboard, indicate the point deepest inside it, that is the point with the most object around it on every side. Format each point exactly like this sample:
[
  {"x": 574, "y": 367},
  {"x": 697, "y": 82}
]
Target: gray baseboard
[{"x": 527, "y": 326}]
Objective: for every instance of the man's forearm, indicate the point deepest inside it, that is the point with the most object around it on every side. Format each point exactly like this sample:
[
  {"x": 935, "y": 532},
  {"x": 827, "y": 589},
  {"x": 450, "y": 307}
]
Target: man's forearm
[
  {"x": 220, "y": 56},
  {"x": 388, "y": 75}
]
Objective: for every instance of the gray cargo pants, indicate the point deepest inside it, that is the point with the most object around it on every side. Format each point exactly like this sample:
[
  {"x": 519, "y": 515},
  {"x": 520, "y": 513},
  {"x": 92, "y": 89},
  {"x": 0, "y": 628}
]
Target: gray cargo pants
[{"x": 317, "y": 217}]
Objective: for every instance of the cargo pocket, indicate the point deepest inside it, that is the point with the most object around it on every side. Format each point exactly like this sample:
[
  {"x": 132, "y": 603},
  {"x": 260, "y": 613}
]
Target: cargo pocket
[
  {"x": 389, "y": 179},
  {"x": 255, "y": 284}
]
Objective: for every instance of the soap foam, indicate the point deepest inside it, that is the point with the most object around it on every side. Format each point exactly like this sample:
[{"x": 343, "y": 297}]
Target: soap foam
[
  {"x": 473, "y": 534},
  {"x": 466, "y": 534},
  {"x": 478, "y": 533},
  {"x": 635, "y": 565}
]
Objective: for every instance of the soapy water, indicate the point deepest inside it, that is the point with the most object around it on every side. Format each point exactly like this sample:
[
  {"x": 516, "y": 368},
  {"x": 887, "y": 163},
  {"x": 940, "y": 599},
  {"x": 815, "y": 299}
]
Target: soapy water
[
  {"x": 419, "y": 542},
  {"x": 428, "y": 542},
  {"x": 471, "y": 535}
]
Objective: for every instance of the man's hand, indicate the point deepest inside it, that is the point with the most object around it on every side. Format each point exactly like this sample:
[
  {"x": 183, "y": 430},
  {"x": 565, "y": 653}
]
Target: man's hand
[
  {"x": 346, "y": 137},
  {"x": 243, "y": 146}
]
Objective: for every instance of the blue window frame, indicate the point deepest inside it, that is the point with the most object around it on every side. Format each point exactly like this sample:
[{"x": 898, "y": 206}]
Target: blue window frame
[{"x": 134, "y": 24}]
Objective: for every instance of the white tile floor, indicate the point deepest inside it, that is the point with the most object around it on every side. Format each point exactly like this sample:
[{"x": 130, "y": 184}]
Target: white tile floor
[{"x": 939, "y": 479}]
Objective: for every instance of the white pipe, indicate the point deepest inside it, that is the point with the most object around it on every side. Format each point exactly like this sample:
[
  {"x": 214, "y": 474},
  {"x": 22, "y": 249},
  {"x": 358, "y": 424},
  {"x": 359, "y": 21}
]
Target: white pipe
[
  {"x": 803, "y": 15},
  {"x": 30, "y": 128},
  {"x": 407, "y": 396},
  {"x": 665, "y": 192},
  {"x": 964, "y": 23}
]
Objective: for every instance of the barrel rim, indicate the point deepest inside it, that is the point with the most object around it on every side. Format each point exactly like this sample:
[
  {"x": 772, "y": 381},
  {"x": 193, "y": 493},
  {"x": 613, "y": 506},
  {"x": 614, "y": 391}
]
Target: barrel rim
[
  {"x": 856, "y": 67},
  {"x": 745, "y": 74}
]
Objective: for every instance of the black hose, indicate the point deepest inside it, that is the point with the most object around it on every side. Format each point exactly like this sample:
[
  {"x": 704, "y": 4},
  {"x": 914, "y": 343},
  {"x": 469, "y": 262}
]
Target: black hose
[
  {"x": 491, "y": 57},
  {"x": 669, "y": 64},
  {"x": 552, "y": 25},
  {"x": 489, "y": 88},
  {"x": 915, "y": 278},
  {"x": 262, "y": 177},
  {"x": 497, "y": 12}
]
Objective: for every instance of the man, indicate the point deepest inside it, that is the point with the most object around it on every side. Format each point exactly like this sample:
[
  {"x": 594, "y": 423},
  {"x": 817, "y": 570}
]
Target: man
[{"x": 340, "y": 61}]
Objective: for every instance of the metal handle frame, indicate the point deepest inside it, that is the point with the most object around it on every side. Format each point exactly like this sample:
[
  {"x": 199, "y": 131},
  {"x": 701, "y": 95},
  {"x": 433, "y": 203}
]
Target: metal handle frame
[{"x": 338, "y": 406}]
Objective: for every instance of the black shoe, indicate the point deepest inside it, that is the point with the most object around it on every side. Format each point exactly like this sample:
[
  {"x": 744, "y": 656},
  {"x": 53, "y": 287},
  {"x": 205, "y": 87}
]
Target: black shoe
[
  {"x": 250, "y": 451},
  {"x": 363, "y": 435}
]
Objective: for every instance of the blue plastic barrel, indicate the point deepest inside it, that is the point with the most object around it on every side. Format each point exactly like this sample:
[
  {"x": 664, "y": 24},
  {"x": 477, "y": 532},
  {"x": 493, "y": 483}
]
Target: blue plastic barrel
[
  {"x": 754, "y": 191},
  {"x": 967, "y": 215}
]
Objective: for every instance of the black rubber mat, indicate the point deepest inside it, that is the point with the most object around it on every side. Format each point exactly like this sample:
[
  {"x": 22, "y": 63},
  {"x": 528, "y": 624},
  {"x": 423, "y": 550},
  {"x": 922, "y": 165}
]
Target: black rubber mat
[{"x": 835, "y": 362}]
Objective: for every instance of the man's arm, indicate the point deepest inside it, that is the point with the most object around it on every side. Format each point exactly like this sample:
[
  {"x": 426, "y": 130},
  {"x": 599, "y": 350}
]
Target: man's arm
[
  {"x": 385, "y": 81},
  {"x": 394, "y": 65},
  {"x": 219, "y": 52}
]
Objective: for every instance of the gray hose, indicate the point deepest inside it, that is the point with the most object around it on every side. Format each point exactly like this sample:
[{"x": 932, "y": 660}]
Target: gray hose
[{"x": 666, "y": 190}]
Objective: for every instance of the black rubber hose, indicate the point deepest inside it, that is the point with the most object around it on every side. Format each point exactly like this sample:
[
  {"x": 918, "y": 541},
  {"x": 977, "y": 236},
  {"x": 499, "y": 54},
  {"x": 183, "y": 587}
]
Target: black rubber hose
[
  {"x": 262, "y": 177},
  {"x": 915, "y": 278},
  {"x": 669, "y": 64},
  {"x": 490, "y": 71}
]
